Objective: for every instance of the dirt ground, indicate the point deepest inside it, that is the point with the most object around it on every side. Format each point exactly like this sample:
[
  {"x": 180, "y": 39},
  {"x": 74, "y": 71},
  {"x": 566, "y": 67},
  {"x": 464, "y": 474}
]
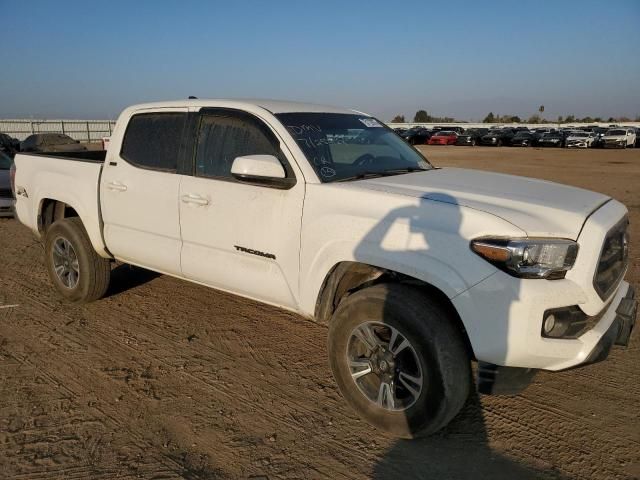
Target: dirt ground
[{"x": 164, "y": 379}]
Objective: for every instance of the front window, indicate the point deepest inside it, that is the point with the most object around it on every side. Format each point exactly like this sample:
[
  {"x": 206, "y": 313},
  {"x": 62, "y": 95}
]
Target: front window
[
  {"x": 343, "y": 146},
  {"x": 616, "y": 132}
]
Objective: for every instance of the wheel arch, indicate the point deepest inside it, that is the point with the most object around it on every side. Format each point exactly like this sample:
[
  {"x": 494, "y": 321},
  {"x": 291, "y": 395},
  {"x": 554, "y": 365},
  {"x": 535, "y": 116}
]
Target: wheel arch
[
  {"x": 348, "y": 277},
  {"x": 52, "y": 209}
]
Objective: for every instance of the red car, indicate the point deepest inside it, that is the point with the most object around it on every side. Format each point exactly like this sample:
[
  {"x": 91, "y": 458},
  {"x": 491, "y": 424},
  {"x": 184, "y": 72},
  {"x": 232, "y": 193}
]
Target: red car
[{"x": 443, "y": 137}]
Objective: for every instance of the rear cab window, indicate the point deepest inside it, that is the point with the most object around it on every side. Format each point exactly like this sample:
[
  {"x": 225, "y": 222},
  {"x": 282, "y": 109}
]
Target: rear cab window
[{"x": 153, "y": 140}]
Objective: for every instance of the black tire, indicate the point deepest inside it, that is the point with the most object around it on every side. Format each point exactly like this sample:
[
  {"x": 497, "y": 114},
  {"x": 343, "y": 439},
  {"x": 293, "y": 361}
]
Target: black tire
[
  {"x": 436, "y": 341},
  {"x": 94, "y": 272}
]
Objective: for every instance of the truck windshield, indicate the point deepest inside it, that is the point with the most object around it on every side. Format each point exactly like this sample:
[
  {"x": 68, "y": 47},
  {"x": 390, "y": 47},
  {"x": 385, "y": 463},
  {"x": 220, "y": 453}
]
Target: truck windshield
[{"x": 343, "y": 147}]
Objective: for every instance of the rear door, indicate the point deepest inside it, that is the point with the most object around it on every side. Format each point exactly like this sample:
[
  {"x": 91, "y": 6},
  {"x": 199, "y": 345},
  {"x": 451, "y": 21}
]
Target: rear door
[
  {"x": 139, "y": 191},
  {"x": 239, "y": 237}
]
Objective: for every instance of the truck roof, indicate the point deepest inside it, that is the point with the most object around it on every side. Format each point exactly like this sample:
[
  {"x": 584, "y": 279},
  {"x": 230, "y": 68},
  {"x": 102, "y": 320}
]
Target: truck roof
[{"x": 273, "y": 106}]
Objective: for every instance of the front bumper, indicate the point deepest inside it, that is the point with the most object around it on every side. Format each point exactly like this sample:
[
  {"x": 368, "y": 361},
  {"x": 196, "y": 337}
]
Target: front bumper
[
  {"x": 619, "y": 333},
  {"x": 616, "y": 144},
  {"x": 499, "y": 380}
]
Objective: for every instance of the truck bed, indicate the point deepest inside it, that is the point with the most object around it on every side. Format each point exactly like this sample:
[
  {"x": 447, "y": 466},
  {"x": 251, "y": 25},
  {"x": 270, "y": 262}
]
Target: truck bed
[{"x": 70, "y": 177}]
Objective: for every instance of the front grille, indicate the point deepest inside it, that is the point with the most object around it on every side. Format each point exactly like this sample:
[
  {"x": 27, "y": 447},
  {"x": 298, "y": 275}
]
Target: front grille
[
  {"x": 6, "y": 193},
  {"x": 613, "y": 259}
]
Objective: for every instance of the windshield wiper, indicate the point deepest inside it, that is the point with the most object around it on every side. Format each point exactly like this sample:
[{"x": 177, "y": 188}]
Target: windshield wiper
[
  {"x": 383, "y": 173},
  {"x": 394, "y": 171},
  {"x": 365, "y": 175}
]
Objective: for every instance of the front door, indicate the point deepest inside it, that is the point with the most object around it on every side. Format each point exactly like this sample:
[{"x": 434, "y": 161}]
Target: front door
[{"x": 236, "y": 236}]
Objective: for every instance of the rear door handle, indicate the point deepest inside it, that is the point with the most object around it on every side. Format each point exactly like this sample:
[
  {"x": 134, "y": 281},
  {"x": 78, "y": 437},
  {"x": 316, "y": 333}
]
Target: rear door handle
[
  {"x": 195, "y": 199},
  {"x": 117, "y": 186}
]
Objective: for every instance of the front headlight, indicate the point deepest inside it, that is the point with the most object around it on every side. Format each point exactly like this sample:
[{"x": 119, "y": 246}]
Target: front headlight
[{"x": 528, "y": 257}]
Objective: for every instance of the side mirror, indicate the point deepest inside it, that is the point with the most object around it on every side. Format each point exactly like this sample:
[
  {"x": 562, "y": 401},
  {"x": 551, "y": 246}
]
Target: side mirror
[{"x": 264, "y": 170}]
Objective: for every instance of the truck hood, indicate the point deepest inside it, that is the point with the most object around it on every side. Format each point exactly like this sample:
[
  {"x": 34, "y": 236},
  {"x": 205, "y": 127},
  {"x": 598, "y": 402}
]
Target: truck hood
[{"x": 540, "y": 208}]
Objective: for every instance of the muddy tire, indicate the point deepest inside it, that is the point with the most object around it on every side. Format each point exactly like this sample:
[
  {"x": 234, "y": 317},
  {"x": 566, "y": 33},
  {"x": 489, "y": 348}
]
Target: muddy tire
[
  {"x": 395, "y": 335},
  {"x": 77, "y": 272}
]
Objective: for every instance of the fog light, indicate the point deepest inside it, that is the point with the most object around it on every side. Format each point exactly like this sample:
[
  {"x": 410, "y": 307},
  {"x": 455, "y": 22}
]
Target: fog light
[
  {"x": 567, "y": 322},
  {"x": 549, "y": 323}
]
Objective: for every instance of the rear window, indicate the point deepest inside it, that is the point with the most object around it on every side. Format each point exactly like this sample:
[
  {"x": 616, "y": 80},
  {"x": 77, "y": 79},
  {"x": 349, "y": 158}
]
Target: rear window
[{"x": 152, "y": 140}]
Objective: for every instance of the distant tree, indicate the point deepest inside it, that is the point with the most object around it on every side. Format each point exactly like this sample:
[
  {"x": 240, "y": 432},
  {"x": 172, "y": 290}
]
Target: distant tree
[
  {"x": 515, "y": 119},
  {"x": 421, "y": 116},
  {"x": 570, "y": 119},
  {"x": 398, "y": 119},
  {"x": 560, "y": 119},
  {"x": 490, "y": 118},
  {"x": 611, "y": 119},
  {"x": 598, "y": 119},
  {"x": 624, "y": 119},
  {"x": 637, "y": 118},
  {"x": 587, "y": 119},
  {"x": 534, "y": 119}
]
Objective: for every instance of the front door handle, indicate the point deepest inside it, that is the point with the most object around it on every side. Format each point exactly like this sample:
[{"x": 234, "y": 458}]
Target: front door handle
[
  {"x": 195, "y": 199},
  {"x": 117, "y": 186}
]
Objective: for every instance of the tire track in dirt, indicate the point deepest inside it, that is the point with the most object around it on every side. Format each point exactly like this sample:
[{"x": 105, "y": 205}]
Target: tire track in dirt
[{"x": 105, "y": 340}]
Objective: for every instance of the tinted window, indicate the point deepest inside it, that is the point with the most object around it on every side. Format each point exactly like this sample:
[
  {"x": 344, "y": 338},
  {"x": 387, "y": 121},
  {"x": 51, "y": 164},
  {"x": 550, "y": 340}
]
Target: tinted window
[
  {"x": 152, "y": 140},
  {"x": 226, "y": 135}
]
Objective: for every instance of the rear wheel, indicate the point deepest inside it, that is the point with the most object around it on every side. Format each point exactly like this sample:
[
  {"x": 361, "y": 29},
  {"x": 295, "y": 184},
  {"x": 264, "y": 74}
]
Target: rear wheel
[
  {"x": 77, "y": 272},
  {"x": 399, "y": 360}
]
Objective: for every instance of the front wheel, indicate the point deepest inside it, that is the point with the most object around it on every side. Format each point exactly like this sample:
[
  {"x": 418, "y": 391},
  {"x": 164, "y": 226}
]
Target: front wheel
[
  {"x": 399, "y": 360},
  {"x": 77, "y": 272}
]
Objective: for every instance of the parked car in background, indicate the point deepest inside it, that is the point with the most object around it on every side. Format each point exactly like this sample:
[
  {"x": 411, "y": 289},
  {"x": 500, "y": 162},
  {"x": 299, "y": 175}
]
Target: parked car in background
[
  {"x": 51, "y": 142},
  {"x": 444, "y": 137},
  {"x": 523, "y": 138},
  {"x": 619, "y": 138},
  {"x": 552, "y": 139},
  {"x": 471, "y": 137},
  {"x": 417, "y": 135},
  {"x": 448, "y": 129},
  {"x": 498, "y": 138},
  {"x": 9, "y": 145},
  {"x": 6, "y": 195},
  {"x": 580, "y": 139}
]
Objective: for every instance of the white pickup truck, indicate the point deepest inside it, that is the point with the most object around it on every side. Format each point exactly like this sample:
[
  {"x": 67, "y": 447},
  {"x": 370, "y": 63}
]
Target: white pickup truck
[{"x": 417, "y": 270}]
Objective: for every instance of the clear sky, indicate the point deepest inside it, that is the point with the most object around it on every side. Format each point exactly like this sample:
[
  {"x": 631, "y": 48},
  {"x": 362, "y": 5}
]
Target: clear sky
[{"x": 88, "y": 59}]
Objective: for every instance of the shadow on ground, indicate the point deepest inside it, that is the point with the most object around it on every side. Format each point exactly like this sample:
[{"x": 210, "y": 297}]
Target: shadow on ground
[
  {"x": 459, "y": 451},
  {"x": 126, "y": 277}
]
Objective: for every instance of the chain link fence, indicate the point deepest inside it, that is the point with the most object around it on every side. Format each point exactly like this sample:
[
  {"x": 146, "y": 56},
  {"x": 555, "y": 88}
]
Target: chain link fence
[{"x": 82, "y": 130}]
